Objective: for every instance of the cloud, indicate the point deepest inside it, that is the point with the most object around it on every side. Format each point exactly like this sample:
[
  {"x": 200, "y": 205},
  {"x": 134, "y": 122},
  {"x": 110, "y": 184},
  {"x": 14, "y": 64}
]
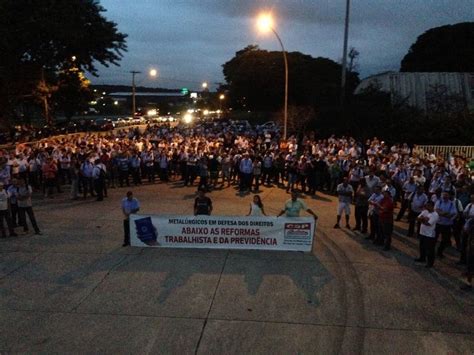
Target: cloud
[{"x": 189, "y": 40}]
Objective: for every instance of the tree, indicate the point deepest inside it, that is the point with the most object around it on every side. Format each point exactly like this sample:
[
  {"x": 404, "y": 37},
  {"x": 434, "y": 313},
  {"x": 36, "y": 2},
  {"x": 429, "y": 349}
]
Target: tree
[
  {"x": 39, "y": 37},
  {"x": 73, "y": 92},
  {"x": 353, "y": 60},
  {"x": 255, "y": 80},
  {"x": 442, "y": 49},
  {"x": 299, "y": 119}
]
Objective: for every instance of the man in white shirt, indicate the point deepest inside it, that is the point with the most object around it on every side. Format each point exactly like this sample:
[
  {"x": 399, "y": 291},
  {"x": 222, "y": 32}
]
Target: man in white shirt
[
  {"x": 372, "y": 181},
  {"x": 428, "y": 219},
  {"x": 25, "y": 206},
  {"x": 345, "y": 193}
]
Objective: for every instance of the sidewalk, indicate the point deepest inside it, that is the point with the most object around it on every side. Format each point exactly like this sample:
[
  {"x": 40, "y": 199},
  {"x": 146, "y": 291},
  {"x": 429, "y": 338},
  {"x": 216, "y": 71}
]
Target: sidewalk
[{"x": 75, "y": 289}]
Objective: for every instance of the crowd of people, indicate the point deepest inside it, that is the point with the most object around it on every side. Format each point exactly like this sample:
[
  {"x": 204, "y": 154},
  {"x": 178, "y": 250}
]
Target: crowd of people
[{"x": 372, "y": 176}]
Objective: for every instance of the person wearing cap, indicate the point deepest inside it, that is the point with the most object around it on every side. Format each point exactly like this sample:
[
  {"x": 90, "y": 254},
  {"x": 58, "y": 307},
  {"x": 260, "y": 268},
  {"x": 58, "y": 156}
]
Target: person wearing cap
[
  {"x": 202, "y": 203},
  {"x": 4, "y": 213},
  {"x": 294, "y": 206},
  {"x": 130, "y": 205}
]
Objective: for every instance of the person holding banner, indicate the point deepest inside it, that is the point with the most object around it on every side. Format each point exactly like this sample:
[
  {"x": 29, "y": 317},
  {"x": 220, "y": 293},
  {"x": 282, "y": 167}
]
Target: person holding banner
[
  {"x": 129, "y": 205},
  {"x": 256, "y": 207},
  {"x": 202, "y": 203},
  {"x": 294, "y": 205}
]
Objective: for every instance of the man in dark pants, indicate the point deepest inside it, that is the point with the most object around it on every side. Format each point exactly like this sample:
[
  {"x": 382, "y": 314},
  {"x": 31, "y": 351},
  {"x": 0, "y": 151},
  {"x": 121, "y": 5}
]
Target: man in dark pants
[
  {"x": 129, "y": 205},
  {"x": 374, "y": 213},
  {"x": 428, "y": 219},
  {"x": 417, "y": 203},
  {"x": 446, "y": 211},
  {"x": 4, "y": 213},
  {"x": 25, "y": 206},
  {"x": 409, "y": 188},
  {"x": 98, "y": 174},
  {"x": 12, "y": 194},
  {"x": 385, "y": 220},
  {"x": 361, "y": 201}
]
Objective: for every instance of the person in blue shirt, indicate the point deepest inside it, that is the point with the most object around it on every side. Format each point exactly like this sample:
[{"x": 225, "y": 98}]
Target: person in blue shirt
[
  {"x": 129, "y": 205},
  {"x": 447, "y": 212},
  {"x": 123, "y": 169}
]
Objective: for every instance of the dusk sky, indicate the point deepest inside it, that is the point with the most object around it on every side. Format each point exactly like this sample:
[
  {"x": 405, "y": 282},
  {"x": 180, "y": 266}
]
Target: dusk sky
[{"x": 187, "y": 41}]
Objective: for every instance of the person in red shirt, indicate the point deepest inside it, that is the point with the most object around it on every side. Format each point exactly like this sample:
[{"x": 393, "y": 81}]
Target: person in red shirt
[
  {"x": 50, "y": 171},
  {"x": 386, "y": 220}
]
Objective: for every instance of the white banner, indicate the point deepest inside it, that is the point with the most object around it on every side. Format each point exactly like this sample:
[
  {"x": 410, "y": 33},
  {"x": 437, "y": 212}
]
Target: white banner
[{"x": 222, "y": 232}]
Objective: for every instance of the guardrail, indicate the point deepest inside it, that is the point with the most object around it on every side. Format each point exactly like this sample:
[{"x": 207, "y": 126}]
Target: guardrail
[{"x": 466, "y": 151}]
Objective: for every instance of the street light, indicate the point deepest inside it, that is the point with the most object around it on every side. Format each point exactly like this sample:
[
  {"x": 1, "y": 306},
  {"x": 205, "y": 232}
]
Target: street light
[
  {"x": 221, "y": 98},
  {"x": 134, "y": 72},
  {"x": 204, "y": 85},
  {"x": 153, "y": 72},
  {"x": 344, "y": 53},
  {"x": 265, "y": 25}
]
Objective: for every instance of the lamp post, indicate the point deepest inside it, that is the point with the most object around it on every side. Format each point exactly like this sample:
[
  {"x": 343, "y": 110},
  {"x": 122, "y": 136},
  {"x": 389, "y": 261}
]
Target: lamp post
[
  {"x": 344, "y": 53},
  {"x": 134, "y": 72},
  {"x": 265, "y": 24},
  {"x": 153, "y": 73},
  {"x": 221, "y": 98}
]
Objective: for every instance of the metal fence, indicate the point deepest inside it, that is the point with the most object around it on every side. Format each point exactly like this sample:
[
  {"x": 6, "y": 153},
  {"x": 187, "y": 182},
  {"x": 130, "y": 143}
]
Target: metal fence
[{"x": 444, "y": 150}]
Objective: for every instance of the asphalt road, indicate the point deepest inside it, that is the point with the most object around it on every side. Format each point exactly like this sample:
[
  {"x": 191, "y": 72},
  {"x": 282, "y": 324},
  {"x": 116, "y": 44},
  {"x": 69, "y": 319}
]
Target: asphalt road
[{"x": 75, "y": 289}]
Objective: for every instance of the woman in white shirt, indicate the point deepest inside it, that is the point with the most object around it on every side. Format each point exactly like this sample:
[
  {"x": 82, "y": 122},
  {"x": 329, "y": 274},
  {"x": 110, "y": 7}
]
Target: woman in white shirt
[{"x": 256, "y": 207}]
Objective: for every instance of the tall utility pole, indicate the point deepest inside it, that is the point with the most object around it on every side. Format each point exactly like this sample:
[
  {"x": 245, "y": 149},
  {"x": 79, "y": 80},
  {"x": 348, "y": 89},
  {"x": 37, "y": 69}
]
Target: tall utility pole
[
  {"x": 285, "y": 112},
  {"x": 133, "y": 72},
  {"x": 344, "y": 54}
]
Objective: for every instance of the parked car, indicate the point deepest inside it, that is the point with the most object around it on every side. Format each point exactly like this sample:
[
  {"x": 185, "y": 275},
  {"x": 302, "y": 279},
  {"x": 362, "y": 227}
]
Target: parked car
[
  {"x": 139, "y": 120},
  {"x": 124, "y": 121}
]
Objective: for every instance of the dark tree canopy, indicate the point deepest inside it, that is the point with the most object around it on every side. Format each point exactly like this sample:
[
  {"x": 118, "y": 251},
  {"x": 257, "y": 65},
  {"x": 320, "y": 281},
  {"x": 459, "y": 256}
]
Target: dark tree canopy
[
  {"x": 50, "y": 32},
  {"x": 256, "y": 78},
  {"x": 40, "y": 39},
  {"x": 442, "y": 49}
]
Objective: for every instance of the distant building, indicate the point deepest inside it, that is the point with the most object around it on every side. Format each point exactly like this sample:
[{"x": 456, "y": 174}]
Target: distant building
[{"x": 429, "y": 92}]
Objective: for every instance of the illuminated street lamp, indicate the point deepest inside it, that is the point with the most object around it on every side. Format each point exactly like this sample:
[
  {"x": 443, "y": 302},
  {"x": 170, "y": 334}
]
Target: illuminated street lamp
[
  {"x": 221, "y": 98},
  {"x": 204, "y": 85},
  {"x": 265, "y": 25},
  {"x": 153, "y": 72}
]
